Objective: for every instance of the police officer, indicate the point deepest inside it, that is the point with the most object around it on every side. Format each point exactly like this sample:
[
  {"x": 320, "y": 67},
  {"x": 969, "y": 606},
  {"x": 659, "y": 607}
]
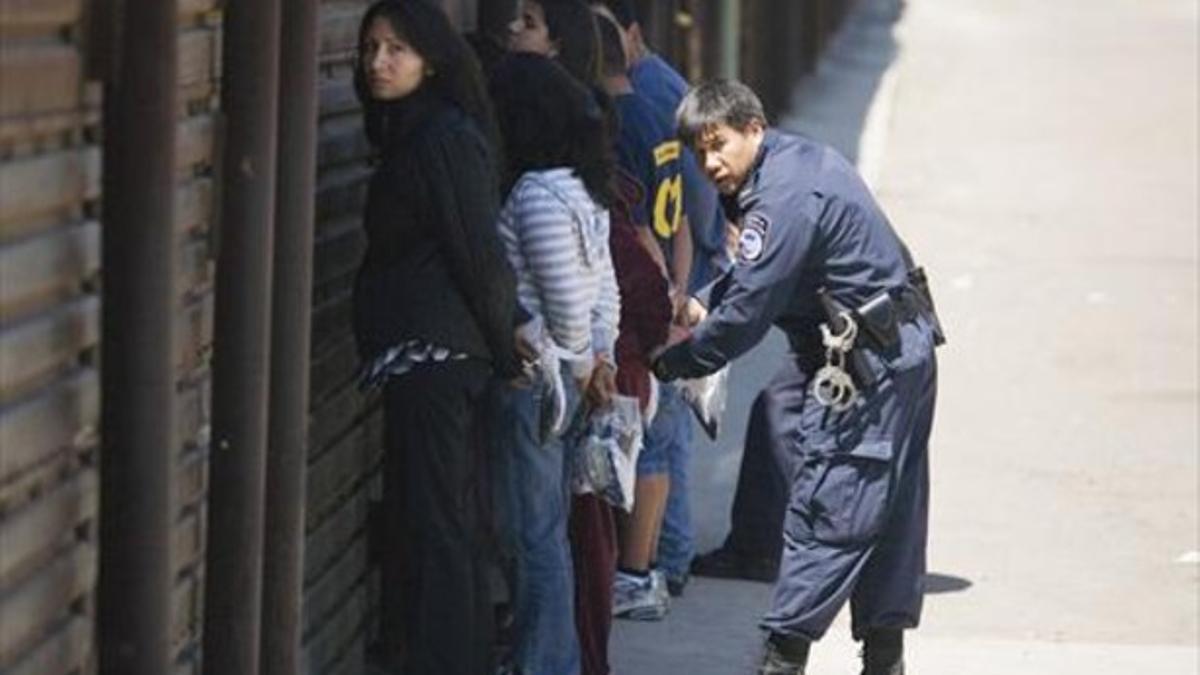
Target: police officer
[{"x": 850, "y": 410}]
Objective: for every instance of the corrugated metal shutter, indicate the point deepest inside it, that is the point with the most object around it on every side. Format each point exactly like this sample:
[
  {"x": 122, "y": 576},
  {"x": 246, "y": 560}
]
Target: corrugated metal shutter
[
  {"x": 196, "y": 149},
  {"x": 49, "y": 326},
  {"x": 345, "y": 429}
]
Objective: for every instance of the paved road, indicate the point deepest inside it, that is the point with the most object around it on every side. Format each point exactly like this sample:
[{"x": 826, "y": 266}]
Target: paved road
[{"x": 1041, "y": 159}]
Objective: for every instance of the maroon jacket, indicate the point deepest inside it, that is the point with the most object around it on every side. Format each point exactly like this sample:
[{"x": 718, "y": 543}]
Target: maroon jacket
[{"x": 645, "y": 299}]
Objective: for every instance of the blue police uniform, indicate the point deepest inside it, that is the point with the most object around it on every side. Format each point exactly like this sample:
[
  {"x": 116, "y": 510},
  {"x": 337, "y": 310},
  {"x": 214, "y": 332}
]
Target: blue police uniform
[{"x": 855, "y": 527}]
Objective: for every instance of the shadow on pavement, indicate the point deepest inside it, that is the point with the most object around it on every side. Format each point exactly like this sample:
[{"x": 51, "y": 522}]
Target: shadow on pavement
[{"x": 945, "y": 583}]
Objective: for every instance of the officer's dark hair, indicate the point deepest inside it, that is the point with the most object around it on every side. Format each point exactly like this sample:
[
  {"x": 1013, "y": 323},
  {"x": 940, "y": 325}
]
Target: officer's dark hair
[
  {"x": 624, "y": 11},
  {"x": 455, "y": 74},
  {"x": 548, "y": 119},
  {"x": 717, "y": 102},
  {"x": 612, "y": 50}
]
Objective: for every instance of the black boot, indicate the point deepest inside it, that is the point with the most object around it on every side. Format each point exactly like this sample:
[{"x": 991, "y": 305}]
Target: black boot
[
  {"x": 784, "y": 655},
  {"x": 883, "y": 652},
  {"x": 726, "y": 563}
]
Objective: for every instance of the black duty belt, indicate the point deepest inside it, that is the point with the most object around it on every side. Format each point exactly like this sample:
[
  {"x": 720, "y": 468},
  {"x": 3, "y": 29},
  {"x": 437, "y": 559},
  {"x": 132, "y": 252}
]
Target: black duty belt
[{"x": 876, "y": 325}]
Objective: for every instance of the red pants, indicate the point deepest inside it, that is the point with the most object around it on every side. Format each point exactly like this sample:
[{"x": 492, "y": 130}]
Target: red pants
[{"x": 594, "y": 553}]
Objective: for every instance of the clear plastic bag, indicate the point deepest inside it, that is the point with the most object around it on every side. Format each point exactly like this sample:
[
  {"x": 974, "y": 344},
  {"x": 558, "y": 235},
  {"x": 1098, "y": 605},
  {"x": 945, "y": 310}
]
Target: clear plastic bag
[
  {"x": 706, "y": 397},
  {"x": 604, "y": 446}
]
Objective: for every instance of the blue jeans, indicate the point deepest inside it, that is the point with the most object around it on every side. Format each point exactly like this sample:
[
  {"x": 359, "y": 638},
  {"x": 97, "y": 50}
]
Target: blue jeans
[
  {"x": 533, "y": 491},
  {"x": 672, "y": 430}
]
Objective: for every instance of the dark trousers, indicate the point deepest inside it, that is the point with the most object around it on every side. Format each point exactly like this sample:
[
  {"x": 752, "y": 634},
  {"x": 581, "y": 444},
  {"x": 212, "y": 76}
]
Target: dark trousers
[
  {"x": 856, "y": 524},
  {"x": 436, "y": 608},
  {"x": 594, "y": 554},
  {"x": 756, "y": 519}
]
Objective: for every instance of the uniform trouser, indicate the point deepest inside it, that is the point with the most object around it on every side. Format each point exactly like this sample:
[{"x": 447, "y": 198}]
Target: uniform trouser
[
  {"x": 436, "y": 605},
  {"x": 856, "y": 521},
  {"x": 760, "y": 501}
]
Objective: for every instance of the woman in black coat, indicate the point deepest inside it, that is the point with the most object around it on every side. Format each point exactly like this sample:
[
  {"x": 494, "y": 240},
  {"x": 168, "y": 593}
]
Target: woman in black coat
[{"x": 433, "y": 306}]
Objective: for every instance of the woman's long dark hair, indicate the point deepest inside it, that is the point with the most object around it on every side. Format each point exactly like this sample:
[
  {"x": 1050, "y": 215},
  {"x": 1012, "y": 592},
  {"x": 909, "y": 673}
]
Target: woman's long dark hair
[
  {"x": 575, "y": 27},
  {"x": 572, "y": 24},
  {"x": 455, "y": 75},
  {"x": 548, "y": 119}
]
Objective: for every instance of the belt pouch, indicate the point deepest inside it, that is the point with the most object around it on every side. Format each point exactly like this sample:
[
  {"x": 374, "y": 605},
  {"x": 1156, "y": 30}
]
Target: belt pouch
[
  {"x": 878, "y": 318},
  {"x": 920, "y": 283}
]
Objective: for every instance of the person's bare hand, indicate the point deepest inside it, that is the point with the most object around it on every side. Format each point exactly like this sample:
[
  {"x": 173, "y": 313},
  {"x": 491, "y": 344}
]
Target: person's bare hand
[
  {"x": 527, "y": 354},
  {"x": 602, "y": 386},
  {"x": 678, "y": 299},
  {"x": 690, "y": 313},
  {"x": 525, "y": 349}
]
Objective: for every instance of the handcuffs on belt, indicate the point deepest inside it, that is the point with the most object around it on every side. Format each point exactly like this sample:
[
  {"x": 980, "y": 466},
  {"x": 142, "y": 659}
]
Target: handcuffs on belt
[
  {"x": 832, "y": 386},
  {"x": 836, "y": 385}
]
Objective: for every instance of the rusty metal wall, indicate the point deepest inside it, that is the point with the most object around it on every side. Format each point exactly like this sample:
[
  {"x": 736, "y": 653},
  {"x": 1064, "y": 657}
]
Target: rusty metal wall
[
  {"x": 50, "y": 281},
  {"x": 49, "y": 327},
  {"x": 197, "y": 147},
  {"x": 345, "y": 429}
]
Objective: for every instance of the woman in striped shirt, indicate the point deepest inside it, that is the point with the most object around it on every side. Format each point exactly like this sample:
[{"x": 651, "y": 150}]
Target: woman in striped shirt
[{"x": 555, "y": 228}]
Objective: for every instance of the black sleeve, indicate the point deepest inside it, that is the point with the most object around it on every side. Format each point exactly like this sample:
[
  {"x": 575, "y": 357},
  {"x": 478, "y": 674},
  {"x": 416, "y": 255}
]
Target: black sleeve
[{"x": 462, "y": 187}]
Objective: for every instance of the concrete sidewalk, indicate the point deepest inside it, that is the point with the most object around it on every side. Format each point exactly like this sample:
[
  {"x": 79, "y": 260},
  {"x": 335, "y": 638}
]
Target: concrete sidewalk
[{"x": 1041, "y": 160}]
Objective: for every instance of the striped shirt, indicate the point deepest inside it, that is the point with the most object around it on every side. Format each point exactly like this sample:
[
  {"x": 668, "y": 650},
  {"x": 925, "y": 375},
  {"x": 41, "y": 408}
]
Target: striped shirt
[{"x": 556, "y": 238}]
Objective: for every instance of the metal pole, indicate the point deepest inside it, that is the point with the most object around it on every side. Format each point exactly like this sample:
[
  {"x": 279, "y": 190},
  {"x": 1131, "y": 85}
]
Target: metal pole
[
  {"x": 137, "y": 344},
  {"x": 287, "y": 445},
  {"x": 731, "y": 31},
  {"x": 241, "y": 341}
]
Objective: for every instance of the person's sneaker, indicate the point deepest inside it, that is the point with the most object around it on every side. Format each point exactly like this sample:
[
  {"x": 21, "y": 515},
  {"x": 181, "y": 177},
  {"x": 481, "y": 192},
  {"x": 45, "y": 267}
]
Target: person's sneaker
[
  {"x": 659, "y": 579},
  {"x": 724, "y": 563},
  {"x": 638, "y": 598},
  {"x": 676, "y": 584}
]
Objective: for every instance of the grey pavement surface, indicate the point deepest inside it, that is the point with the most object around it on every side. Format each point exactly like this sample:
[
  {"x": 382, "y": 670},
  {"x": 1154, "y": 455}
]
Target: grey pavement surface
[{"x": 1041, "y": 159}]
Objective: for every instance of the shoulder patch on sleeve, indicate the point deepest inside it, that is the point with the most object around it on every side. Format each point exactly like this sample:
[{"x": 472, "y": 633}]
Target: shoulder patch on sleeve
[{"x": 753, "y": 239}]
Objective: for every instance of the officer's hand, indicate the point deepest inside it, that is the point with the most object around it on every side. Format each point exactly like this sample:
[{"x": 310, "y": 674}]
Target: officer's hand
[
  {"x": 690, "y": 313},
  {"x": 659, "y": 366}
]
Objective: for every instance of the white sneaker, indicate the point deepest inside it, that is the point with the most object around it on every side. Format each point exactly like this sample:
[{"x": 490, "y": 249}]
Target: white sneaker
[
  {"x": 638, "y": 598},
  {"x": 659, "y": 579}
]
